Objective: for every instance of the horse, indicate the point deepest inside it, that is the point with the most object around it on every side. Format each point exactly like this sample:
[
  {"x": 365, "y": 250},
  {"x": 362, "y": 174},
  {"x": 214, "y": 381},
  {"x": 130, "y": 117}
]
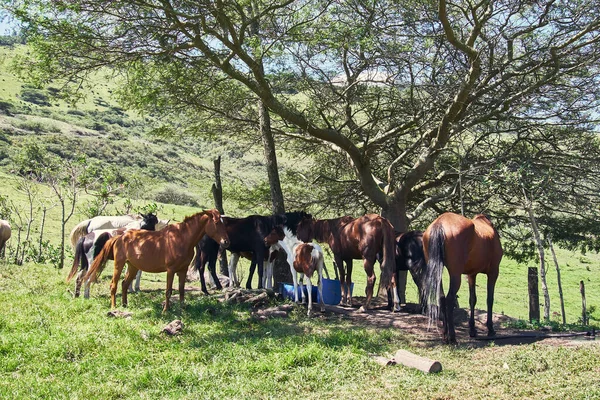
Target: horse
[
  {"x": 169, "y": 250},
  {"x": 464, "y": 246},
  {"x": 245, "y": 235},
  {"x": 108, "y": 222},
  {"x": 90, "y": 245},
  {"x": 210, "y": 248},
  {"x": 305, "y": 259},
  {"x": 4, "y": 235},
  {"x": 370, "y": 237},
  {"x": 409, "y": 257}
]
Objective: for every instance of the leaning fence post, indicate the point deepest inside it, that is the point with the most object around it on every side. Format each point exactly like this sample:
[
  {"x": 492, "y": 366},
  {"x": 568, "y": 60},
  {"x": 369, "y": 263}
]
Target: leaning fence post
[
  {"x": 583, "y": 303},
  {"x": 534, "y": 294}
]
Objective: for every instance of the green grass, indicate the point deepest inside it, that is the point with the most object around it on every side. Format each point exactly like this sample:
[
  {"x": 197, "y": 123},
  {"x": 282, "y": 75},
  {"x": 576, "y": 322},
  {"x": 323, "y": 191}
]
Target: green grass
[{"x": 54, "y": 346}]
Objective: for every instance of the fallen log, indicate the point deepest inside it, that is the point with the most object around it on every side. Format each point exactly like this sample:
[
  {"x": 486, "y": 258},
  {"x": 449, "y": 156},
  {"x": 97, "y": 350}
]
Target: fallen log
[{"x": 414, "y": 361}]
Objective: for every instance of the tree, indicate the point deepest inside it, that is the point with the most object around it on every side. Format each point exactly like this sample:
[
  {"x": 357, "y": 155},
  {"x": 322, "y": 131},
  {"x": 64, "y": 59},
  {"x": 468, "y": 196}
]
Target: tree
[{"x": 412, "y": 97}]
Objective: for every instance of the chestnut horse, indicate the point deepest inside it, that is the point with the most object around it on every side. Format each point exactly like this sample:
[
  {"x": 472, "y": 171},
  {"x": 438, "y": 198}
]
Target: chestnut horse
[
  {"x": 370, "y": 237},
  {"x": 465, "y": 246},
  {"x": 170, "y": 250},
  {"x": 90, "y": 245}
]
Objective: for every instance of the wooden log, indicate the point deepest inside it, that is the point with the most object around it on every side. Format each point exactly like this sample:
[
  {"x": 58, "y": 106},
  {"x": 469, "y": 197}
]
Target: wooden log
[
  {"x": 414, "y": 361},
  {"x": 534, "y": 294}
]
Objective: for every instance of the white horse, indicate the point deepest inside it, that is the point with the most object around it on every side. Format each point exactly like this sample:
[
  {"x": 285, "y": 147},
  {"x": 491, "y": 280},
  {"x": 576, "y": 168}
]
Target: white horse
[
  {"x": 89, "y": 245},
  {"x": 305, "y": 259},
  {"x": 109, "y": 222},
  {"x": 4, "y": 235}
]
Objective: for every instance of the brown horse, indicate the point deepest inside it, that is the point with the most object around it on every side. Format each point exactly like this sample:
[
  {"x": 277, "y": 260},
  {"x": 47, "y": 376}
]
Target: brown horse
[
  {"x": 369, "y": 238},
  {"x": 170, "y": 250},
  {"x": 465, "y": 246}
]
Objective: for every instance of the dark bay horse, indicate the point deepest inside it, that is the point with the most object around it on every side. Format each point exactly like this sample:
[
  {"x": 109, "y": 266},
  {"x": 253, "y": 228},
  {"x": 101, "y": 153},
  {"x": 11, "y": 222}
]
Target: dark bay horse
[
  {"x": 90, "y": 245},
  {"x": 370, "y": 237},
  {"x": 170, "y": 250},
  {"x": 245, "y": 235},
  {"x": 409, "y": 257},
  {"x": 464, "y": 246}
]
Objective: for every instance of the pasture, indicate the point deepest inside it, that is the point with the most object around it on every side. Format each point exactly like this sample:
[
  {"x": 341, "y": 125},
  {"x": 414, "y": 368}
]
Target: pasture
[{"x": 54, "y": 346}]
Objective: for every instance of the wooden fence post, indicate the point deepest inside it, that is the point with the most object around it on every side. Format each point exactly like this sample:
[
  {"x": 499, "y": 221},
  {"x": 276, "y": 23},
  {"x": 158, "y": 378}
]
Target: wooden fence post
[
  {"x": 534, "y": 294},
  {"x": 583, "y": 303}
]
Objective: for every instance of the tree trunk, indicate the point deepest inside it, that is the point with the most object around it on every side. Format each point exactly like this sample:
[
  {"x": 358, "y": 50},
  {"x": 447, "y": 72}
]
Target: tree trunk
[
  {"x": 271, "y": 159},
  {"x": 560, "y": 291},
  {"x": 396, "y": 214},
  {"x": 540, "y": 246},
  {"x": 217, "y": 191},
  {"x": 61, "y": 263},
  {"x": 44, "y": 210},
  {"x": 534, "y": 294}
]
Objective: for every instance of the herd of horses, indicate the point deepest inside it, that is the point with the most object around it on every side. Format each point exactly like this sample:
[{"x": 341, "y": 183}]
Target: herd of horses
[{"x": 143, "y": 243}]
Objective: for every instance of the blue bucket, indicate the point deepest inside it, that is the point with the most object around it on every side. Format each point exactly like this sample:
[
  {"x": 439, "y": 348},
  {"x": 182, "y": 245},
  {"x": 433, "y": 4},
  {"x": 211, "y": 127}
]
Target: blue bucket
[
  {"x": 287, "y": 291},
  {"x": 332, "y": 291}
]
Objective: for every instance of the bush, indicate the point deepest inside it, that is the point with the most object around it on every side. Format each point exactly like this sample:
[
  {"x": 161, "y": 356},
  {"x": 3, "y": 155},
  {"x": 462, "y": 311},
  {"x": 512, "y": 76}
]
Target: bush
[
  {"x": 172, "y": 195},
  {"x": 35, "y": 96},
  {"x": 7, "y": 108}
]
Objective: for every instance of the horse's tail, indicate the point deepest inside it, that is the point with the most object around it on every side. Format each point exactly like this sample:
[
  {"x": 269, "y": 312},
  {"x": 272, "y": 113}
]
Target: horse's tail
[
  {"x": 78, "y": 231},
  {"x": 79, "y": 256},
  {"x": 100, "y": 260},
  {"x": 388, "y": 265},
  {"x": 99, "y": 243},
  {"x": 433, "y": 274}
]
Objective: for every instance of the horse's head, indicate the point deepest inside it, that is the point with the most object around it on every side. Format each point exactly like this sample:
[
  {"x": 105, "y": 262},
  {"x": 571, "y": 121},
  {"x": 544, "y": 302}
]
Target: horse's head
[
  {"x": 292, "y": 219},
  {"x": 215, "y": 228},
  {"x": 274, "y": 236},
  {"x": 149, "y": 222},
  {"x": 304, "y": 230}
]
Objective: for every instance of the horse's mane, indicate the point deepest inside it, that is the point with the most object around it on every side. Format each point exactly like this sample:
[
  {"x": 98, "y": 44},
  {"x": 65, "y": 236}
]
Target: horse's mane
[
  {"x": 292, "y": 219},
  {"x": 193, "y": 216}
]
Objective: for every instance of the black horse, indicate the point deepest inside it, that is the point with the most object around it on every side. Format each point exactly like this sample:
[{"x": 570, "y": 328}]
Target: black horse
[
  {"x": 409, "y": 257},
  {"x": 246, "y": 235}
]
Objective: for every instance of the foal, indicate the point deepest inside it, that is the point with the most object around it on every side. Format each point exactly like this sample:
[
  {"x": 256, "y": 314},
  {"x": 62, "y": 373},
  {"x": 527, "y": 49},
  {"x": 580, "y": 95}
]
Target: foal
[{"x": 305, "y": 259}]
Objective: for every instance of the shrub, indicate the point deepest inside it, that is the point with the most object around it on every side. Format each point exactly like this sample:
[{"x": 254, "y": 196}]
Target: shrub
[
  {"x": 172, "y": 195},
  {"x": 35, "y": 96},
  {"x": 7, "y": 108}
]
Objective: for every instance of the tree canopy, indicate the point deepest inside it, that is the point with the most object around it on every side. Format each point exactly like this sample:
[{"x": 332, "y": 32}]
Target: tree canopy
[{"x": 416, "y": 106}]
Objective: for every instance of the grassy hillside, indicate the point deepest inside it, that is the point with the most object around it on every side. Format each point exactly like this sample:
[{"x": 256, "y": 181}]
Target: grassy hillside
[{"x": 108, "y": 135}]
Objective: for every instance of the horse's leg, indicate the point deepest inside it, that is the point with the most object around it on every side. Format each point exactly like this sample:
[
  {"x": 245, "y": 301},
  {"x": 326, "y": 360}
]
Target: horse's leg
[
  {"x": 349, "y": 281},
  {"x": 138, "y": 278},
  {"x": 472, "y": 301},
  {"x": 401, "y": 287},
  {"x": 490, "y": 303},
  {"x": 251, "y": 273},
  {"x": 339, "y": 263},
  {"x": 309, "y": 289},
  {"x": 212, "y": 269},
  {"x": 181, "y": 275},
  {"x": 126, "y": 284},
  {"x": 320, "y": 268},
  {"x": 170, "y": 277},
  {"x": 450, "y": 304},
  {"x": 370, "y": 270},
  {"x": 201, "y": 265},
  {"x": 118, "y": 268},
  {"x": 78, "y": 283},
  {"x": 295, "y": 280},
  {"x": 232, "y": 266},
  {"x": 300, "y": 282},
  {"x": 260, "y": 261}
]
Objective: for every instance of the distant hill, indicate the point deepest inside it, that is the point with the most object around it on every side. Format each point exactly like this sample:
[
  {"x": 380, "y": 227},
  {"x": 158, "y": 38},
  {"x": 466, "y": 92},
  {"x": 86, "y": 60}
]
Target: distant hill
[{"x": 107, "y": 134}]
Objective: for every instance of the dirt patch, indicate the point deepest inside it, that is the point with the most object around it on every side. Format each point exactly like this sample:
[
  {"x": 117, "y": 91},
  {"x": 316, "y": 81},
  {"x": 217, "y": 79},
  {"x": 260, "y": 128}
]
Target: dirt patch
[{"x": 427, "y": 334}]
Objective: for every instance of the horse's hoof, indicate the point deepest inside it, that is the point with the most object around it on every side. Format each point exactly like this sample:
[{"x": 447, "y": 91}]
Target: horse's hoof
[
  {"x": 362, "y": 309},
  {"x": 473, "y": 333},
  {"x": 491, "y": 333}
]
